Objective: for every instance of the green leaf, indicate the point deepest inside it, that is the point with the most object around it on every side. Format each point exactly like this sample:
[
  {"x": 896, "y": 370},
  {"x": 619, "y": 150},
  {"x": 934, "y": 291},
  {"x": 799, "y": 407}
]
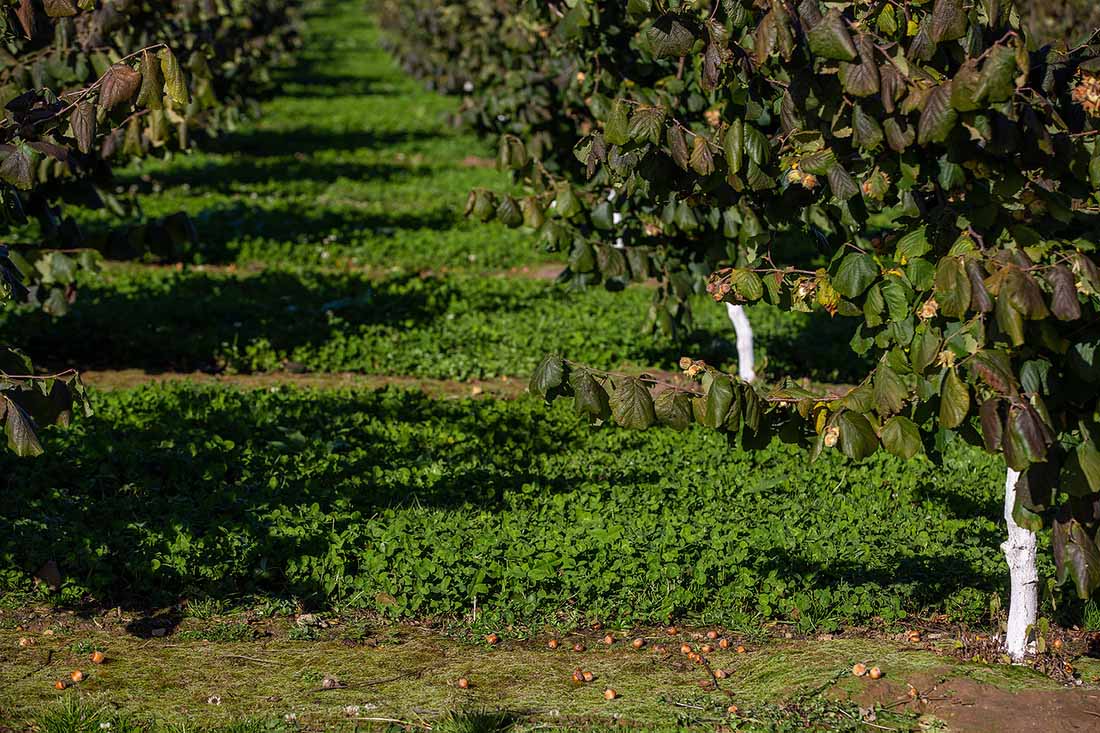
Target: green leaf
[
  {"x": 954, "y": 401},
  {"x": 999, "y": 74},
  {"x": 857, "y": 437},
  {"x": 589, "y": 397},
  {"x": 718, "y": 400},
  {"x": 151, "y": 95},
  {"x": 734, "y": 146},
  {"x": 926, "y": 347},
  {"x": 647, "y": 123},
  {"x": 632, "y": 405},
  {"x": 617, "y": 128},
  {"x": 867, "y": 132},
  {"x": 862, "y": 79},
  {"x": 1089, "y": 460},
  {"x": 669, "y": 38},
  {"x": 829, "y": 38},
  {"x": 747, "y": 284},
  {"x": 890, "y": 391},
  {"x": 841, "y": 183},
  {"x": 856, "y": 273},
  {"x": 174, "y": 83},
  {"x": 952, "y": 288},
  {"x": 938, "y": 117},
  {"x": 548, "y": 377},
  {"x": 1009, "y": 320},
  {"x": 901, "y": 437},
  {"x": 756, "y": 145},
  {"x": 673, "y": 408}
]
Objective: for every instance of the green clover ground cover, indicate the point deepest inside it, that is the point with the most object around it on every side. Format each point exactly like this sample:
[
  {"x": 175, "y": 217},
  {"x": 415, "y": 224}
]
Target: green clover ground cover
[
  {"x": 414, "y": 507},
  {"x": 351, "y": 162},
  {"x": 453, "y": 327}
]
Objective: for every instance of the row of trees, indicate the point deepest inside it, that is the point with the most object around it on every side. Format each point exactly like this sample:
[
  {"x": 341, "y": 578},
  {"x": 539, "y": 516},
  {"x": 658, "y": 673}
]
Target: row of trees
[
  {"x": 88, "y": 83},
  {"x": 929, "y": 169}
]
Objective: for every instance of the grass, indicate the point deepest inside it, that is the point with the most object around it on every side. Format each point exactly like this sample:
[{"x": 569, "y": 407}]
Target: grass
[
  {"x": 408, "y": 506},
  {"x": 410, "y": 674}
]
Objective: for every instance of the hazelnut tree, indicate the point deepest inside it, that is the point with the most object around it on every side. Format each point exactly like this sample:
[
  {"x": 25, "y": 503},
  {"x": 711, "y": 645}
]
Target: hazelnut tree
[
  {"x": 948, "y": 168},
  {"x": 85, "y": 82}
]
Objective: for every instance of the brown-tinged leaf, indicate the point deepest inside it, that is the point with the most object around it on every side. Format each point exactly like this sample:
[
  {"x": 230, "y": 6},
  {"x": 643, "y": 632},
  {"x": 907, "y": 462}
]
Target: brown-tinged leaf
[
  {"x": 992, "y": 425},
  {"x": 25, "y": 14},
  {"x": 83, "y": 122},
  {"x": 677, "y": 147},
  {"x": 938, "y": 117},
  {"x": 118, "y": 86},
  {"x": 702, "y": 159},
  {"x": 948, "y": 20},
  {"x": 1063, "y": 300},
  {"x": 59, "y": 8}
]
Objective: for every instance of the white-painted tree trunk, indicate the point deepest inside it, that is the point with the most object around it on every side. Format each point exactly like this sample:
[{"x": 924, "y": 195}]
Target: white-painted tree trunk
[
  {"x": 1023, "y": 607},
  {"x": 746, "y": 365}
]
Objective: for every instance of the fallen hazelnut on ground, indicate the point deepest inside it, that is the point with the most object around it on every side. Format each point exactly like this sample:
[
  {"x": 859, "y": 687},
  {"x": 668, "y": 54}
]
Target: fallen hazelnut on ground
[
  {"x": 588, "y": 676},
  {"x": 698, "y": 659},
  {"x": 721, "y": 674},
  {"x": 859, "y": 669},
  {"x": 98, "y": 657},
  {"x": 1057, "y": 644},
  {"x": 609, "y": 694},
  {"x": 724, "y": 643},
  {"x": 685, "y": 648},
  {"x": 740, "y": 649},
  {"x": 76, "y": 675},
  {"x": 578, "y": 675},
  {"x": 492, "y": 639},
  {"x": 463, "y": 683},
  {"x": 59, "y": 685},
  {"x": 706, "y": 649},
  {"x": 638, "y": 643},
  {"x": 24, "y": 641},
  {"x": 712, "y": 634},
  {"x": 553, "y": 643},
  {"x": 609, "y": 640},
  {"x": 732, "y": 709},
  {"x": 672, "y": 631},
  {"x": 578, "y": 647},
  {"x": 875, "y": 673},
  {"x": 660, "y": 648}
]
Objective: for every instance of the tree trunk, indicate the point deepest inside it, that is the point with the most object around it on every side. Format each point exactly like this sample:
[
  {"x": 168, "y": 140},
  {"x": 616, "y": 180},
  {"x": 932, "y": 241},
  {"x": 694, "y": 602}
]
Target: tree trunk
[
  {"x": 745, "y": 360},
  {"x": 1019, "y": 550}
]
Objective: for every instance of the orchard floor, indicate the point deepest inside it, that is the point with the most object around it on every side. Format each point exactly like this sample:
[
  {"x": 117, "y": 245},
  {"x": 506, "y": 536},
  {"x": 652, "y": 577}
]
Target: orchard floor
[
  {"x": 268, "y": 674},
  {"x": 321, "y": 405}
]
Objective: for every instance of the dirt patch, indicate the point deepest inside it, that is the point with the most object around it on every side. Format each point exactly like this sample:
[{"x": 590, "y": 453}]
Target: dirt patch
[
  {"x": 973, "y": 706},
  {"x": 504, "y": 387}
]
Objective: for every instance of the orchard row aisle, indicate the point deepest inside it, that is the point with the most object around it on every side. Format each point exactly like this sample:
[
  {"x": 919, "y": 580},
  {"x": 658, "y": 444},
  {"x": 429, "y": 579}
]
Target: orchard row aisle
[{"x": 314, "y": 487}]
